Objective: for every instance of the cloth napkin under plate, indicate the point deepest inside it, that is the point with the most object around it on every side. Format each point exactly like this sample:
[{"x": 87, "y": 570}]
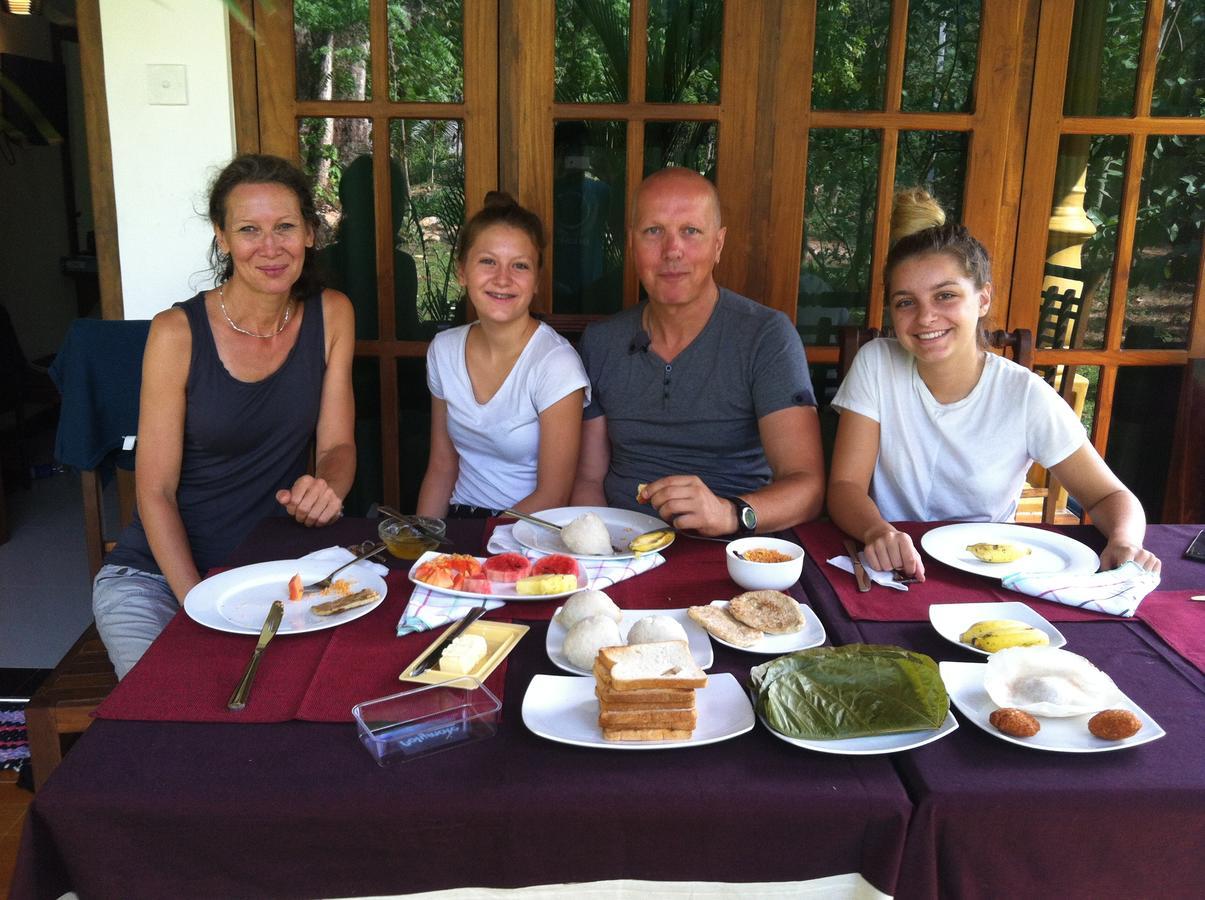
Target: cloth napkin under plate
[
  {"x": 1116, "y": 592},
  {"x": 337, "y": 556},
  {"x": 602, "y": 573},
  {"x": 433, "y": 609},
  {"x": 886, "y": 579}
]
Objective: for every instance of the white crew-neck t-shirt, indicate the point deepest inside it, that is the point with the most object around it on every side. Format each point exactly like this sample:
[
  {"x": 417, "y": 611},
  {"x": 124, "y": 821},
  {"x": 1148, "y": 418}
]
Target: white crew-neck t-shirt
[
  {"x": 499, "y": 441},
  {"x": 965, "y": 460}
]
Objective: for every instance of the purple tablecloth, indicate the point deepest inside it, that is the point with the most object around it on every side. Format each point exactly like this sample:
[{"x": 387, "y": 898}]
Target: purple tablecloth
[
  {"x": 993, "y": 819},
  {"x": 299, "y": 809}
]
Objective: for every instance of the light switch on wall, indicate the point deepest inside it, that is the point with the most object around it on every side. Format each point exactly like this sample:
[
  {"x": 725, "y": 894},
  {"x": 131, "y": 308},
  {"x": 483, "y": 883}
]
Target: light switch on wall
[{"x": 166, "y": 85}]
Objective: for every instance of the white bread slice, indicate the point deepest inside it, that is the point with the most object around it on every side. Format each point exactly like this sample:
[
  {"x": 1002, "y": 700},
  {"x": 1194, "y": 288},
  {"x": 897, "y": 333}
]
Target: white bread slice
[
  {"x": 653, "y": 718},
  {"x": 646, "y": 734},
  {"x": 667, "y": 698},
  {"x": 661, "y": 664},
  {"x": 719, "y": 622}
]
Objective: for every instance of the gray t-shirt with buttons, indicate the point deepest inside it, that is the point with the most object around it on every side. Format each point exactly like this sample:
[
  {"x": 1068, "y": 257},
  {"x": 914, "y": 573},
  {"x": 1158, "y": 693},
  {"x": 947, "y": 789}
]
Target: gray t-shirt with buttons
[{"x": 697, "y": 415}]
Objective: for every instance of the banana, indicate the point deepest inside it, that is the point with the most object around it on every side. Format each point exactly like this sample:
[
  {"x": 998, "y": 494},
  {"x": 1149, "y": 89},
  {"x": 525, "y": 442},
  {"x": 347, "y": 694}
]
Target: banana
[
  {"x": 999, "y": 553},
  {"x": 991, "y": 635}
]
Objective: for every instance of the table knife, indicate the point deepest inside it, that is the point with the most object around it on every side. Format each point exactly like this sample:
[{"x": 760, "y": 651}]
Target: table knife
[
  {"x": 859, "y": 570},
  {"x": 433, "y": 657},
  {"x": 238, "y": 699}
]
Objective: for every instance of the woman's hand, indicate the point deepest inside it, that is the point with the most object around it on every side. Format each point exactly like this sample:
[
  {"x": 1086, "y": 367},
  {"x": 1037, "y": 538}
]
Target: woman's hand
[
  {"x": 311, "y": 501},
  {"x": 889, "y": 549},
  {"x": 1117, "y": 553}
]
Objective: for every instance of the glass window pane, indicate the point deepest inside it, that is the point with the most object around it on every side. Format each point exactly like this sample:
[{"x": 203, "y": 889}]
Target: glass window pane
[
  {"x": 336, "y": 155},
  {"x": 368, "y": 488},
  {"x": 588, "y": 192},
  {"x": 1082, "y": 240},
  {"x": 427, "y": 166},
  {"x": 1102, "y": 63},
  {"x": 426, "y": 51},
  {"x": 937, "y": 162},
  {"x": 688, "y": 144},
  {"x": 1145, "y": 403},
  {"x": 851, "y": 54},
  {"x": 333, "y": 54},
  {"x": 684, "y": 51},
  {"x": 592, "y": 51},
  {"x": 838, "y": 231},
  {"x": 1180, "y": 72},
  {"x": 1167, "y": 244},
  {"x": 939, "y": 65}
]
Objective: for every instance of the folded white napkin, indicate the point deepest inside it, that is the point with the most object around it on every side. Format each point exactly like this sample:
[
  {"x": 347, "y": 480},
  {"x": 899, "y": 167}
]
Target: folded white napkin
[
  {"x": 886, "y": 579},
  {"x": 1116, "y": 592},
  {"x": 601, "y": 573},
  {"x": 336, "y": 556},
  {"x": 432, "y": 609}
]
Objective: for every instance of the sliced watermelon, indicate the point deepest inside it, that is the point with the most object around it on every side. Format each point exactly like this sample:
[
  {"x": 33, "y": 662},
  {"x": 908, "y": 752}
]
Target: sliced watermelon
[
  {"x": 557, "y": 564},
  {"x": 507, "y": 567},
  {"x": 475, "y": 584}
]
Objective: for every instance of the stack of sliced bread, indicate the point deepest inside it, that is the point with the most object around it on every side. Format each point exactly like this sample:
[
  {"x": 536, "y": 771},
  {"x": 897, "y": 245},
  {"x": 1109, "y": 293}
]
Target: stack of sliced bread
[{"x": 646, "y": 692}]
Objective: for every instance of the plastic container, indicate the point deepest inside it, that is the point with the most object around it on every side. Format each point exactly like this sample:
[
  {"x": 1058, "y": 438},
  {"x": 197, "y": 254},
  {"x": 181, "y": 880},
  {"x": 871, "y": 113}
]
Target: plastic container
[{"x": 427, "y": 719}]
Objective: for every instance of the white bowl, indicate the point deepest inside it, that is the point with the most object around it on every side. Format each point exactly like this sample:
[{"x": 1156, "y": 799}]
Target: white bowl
[{"x": 757, "y": 576}]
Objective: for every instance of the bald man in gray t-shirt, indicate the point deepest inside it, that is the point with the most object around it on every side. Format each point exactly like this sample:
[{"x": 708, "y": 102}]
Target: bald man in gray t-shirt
[{"x": 700, "y": 393}]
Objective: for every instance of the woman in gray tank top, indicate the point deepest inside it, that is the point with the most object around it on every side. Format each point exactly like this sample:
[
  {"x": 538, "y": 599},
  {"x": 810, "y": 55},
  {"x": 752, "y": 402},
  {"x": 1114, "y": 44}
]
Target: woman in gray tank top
[{"x": 236, "y": 383}]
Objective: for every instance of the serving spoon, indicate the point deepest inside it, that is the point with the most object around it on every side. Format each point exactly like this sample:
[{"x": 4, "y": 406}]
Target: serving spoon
[{"x": 649, "y": 542}]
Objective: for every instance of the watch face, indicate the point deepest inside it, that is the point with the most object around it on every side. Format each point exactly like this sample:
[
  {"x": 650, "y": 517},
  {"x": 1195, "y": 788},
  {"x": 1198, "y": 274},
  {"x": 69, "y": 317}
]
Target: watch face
[{"x": 748, "y": 517}]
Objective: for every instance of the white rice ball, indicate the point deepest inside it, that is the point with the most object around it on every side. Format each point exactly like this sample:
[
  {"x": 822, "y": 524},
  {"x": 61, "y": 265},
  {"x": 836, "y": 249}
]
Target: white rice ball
[
  {"x": 587, "y": 535},
  {"x": 588, "y": 603},
  {"x": 651, "y": 629},
  {"x": 587, "y": 637}
]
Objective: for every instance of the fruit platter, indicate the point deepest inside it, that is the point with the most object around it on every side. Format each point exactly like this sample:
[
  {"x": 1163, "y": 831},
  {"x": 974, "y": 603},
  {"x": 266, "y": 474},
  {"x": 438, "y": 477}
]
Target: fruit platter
[{"x": 506, "y": 576}]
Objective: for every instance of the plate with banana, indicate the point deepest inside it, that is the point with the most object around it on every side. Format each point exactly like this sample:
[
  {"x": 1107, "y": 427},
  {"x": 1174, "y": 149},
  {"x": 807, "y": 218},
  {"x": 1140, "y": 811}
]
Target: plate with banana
[
  {"x": 996, "y": 549},
  {"x": 988, "y": 627}
]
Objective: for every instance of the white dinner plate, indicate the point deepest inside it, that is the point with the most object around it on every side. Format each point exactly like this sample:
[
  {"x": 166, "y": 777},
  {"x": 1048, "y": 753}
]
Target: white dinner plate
[
  {"x": 696, "y": 637},
  {"x": 237, "y": 600},
  {"x": 950, "y": 620},
  {"x": 868, "y": 746},
  {"x": 622, "y": 525},
  {"x": 964, "y": 681},
  {"x": 499, "y": 590},
  {"x": 563, "y": 708},
  {"x": 1051, "y": 553},
  {"x": 810, "y": 635}
]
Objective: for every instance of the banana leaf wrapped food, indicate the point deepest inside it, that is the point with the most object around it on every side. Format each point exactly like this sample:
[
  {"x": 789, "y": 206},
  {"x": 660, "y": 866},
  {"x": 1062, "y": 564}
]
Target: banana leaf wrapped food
[{"x": 858, "y": 690}]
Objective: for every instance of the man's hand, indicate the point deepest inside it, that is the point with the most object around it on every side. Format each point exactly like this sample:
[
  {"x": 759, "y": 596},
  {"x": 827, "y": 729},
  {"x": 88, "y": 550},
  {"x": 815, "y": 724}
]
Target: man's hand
[
  {"x": 311, "y": 501},
  {"x": 687, "y": 503}
]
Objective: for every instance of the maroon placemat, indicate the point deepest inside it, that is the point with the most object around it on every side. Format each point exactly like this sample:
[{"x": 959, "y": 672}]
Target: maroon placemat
[
  {"x": 189, "y": 672},
  {"x": 364, "y": 658},
  {"x": 1179, "y": 620},
  {"x": 942, "y": 584}
]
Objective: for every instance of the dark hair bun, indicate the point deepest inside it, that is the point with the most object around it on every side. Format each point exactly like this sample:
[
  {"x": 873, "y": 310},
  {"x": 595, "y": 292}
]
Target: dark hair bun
[{"x": 498, "y": 200}]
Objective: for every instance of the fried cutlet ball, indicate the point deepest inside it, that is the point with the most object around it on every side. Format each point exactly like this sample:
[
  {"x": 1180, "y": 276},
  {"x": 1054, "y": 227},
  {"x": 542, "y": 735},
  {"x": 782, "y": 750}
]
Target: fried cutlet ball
[
  {"x": 1014, "y": 722},
  {"x": 1114, "y": 724}
]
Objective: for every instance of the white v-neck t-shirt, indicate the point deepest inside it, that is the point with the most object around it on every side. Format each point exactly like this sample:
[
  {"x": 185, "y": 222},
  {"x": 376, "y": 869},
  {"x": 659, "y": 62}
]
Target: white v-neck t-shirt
[
  {"x": 962, "y": 461},
  {"x": 499, "y": 441}
]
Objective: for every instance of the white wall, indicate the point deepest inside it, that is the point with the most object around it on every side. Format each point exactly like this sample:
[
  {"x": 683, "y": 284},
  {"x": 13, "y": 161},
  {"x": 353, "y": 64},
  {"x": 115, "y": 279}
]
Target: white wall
[{"x": 164, "y": 156}]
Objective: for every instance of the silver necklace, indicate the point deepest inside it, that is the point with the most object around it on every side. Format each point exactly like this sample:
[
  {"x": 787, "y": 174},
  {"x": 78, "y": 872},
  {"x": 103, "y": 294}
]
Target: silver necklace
[{"x": 254, "y": 334}]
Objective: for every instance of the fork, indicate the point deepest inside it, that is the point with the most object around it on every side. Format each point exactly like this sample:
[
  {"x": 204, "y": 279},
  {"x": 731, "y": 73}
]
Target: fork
[{"x": 326, "y": 582}]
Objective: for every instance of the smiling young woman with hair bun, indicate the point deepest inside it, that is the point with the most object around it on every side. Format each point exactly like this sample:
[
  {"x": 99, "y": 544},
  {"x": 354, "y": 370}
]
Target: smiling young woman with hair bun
[{"x": 934, "y": 427}]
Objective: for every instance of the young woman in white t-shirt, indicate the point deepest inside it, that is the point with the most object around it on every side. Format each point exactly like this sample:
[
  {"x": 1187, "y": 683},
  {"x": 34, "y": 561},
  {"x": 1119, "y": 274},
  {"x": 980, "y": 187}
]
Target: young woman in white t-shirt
[
  {"x": 507, "y": 391},
  {"x": 933, "y": 426}
]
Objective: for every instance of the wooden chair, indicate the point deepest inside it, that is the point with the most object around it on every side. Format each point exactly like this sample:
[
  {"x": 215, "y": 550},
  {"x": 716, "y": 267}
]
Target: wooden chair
[
  {"x": 92, "y": 428},
  {"x": 1016, "y": 344}
]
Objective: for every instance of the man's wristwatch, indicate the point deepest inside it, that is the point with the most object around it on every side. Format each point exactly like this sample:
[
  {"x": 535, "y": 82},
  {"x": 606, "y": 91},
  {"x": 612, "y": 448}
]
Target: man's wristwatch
[{"x": 746, "y": 515}]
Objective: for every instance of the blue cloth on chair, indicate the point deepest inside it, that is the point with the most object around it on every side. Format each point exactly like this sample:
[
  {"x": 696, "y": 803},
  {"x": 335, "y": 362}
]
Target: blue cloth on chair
[{"x": 98, "y": 370}]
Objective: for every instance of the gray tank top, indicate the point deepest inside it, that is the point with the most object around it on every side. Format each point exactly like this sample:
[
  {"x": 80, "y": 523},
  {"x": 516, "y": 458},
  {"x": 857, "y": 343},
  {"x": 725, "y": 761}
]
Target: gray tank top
[{"x": 243, "y": 441}]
